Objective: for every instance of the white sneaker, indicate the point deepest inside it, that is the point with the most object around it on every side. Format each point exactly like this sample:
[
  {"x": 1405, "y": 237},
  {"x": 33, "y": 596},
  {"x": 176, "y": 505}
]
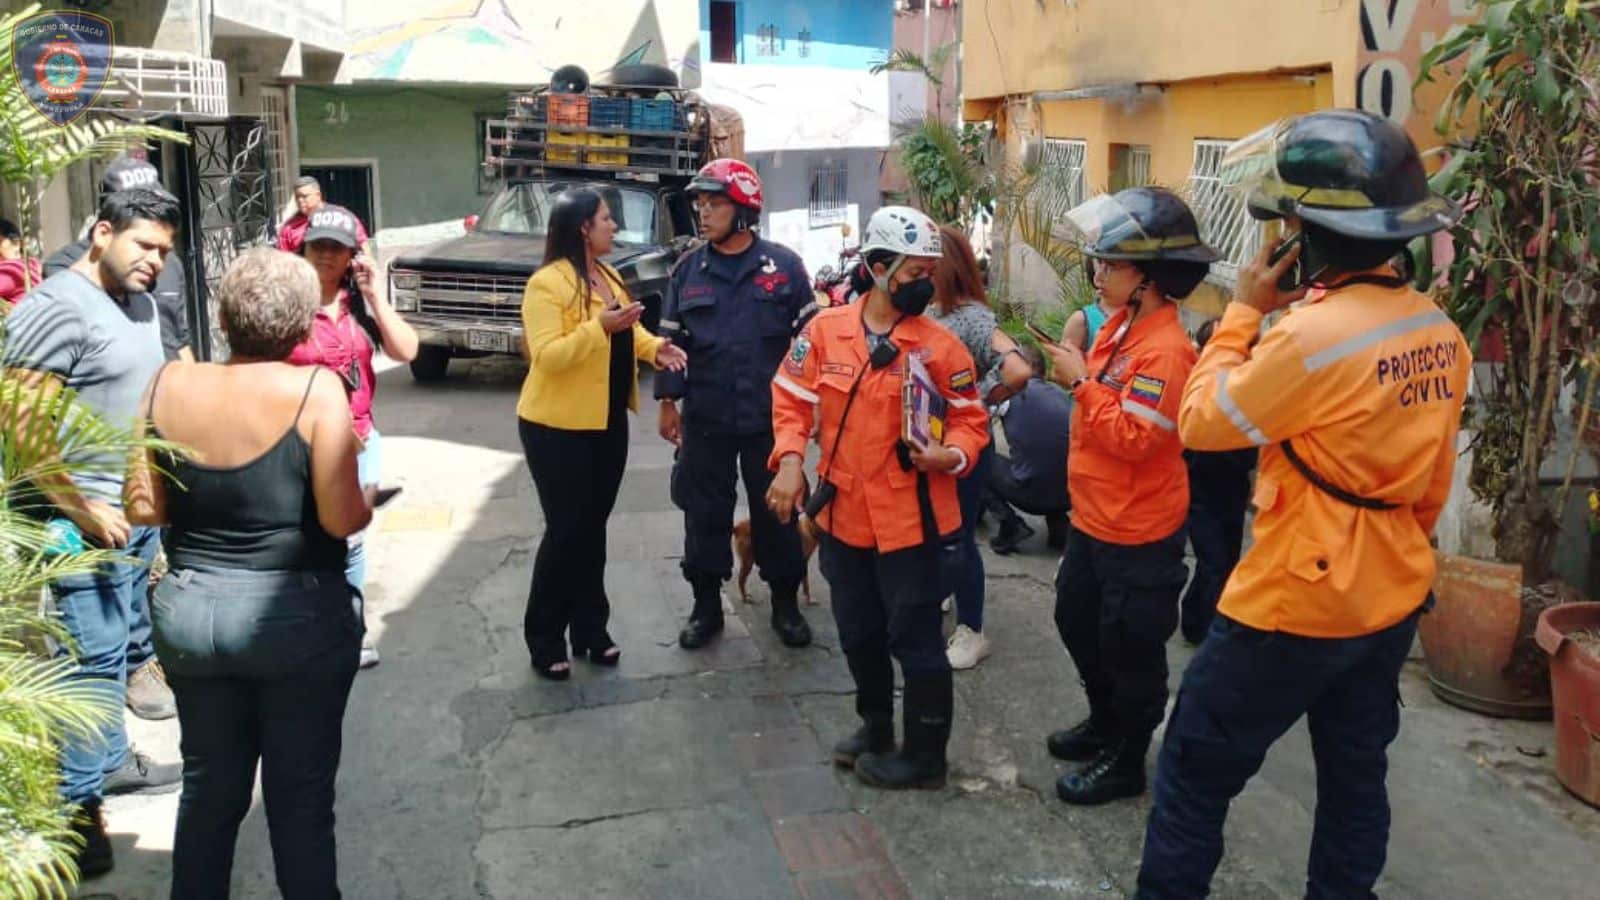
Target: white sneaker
[
  {"x": 967, "y": 648},
  {"x": 369, "y": 653},
  {"x": 947, "y": 603}
]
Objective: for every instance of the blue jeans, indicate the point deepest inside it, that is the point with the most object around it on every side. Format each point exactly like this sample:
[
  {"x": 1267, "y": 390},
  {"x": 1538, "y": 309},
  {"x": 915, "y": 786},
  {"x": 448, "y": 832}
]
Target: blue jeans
[
  {"x": 98, "y": 611},
  {"x": 1241, "y": 692},
  {"x": 261, "y": 665},
  {"x": 970, "y": 578},
  {"x": 369, "y": 468}
]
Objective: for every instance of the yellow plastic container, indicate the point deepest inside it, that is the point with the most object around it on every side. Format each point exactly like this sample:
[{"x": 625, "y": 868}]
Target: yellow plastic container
[
  {"x": 608, "y": 140},
  {"x": 571, "y": 139}
]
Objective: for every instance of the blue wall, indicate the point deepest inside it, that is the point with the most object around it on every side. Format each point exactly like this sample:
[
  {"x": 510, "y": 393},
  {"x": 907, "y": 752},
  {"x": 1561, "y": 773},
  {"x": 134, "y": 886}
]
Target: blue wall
[{"x": 844, "y": 34}]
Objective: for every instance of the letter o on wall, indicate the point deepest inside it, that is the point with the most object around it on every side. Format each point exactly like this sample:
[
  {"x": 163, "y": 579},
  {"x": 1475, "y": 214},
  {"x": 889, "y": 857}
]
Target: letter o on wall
[{"x": 1384, "y": 89}]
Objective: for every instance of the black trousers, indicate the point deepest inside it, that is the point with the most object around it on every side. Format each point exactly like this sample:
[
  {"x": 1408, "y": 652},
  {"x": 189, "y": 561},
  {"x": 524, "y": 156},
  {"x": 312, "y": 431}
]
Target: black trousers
[
  {"x": 1216, "y": 531},
  {"x": 1004, "y": 491},
  {"x": 705, "y": 486},
  {"x": 887, "y": 604},
  {"x": 577, "y": 475},
  {"x": 1116, "y": 606}
]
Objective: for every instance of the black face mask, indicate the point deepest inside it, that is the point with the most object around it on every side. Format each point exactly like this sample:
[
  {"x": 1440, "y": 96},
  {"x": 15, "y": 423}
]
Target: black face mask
[{"x": 912, "y": 297}]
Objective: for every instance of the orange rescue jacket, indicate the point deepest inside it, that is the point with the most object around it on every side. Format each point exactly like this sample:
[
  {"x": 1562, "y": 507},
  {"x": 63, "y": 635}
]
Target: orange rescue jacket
[
  {"x": 876, "y": 505},
  {"x": 1368, "y": 383},
  {"x": 1125, "y": 467}
]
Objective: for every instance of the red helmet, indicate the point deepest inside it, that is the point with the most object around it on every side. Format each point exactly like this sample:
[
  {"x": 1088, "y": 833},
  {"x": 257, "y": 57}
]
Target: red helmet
[{"x": 731, "y": 177}]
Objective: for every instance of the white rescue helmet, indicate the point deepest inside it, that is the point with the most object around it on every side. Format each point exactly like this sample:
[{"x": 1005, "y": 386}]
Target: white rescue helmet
[{"x": 904, "y": 232}]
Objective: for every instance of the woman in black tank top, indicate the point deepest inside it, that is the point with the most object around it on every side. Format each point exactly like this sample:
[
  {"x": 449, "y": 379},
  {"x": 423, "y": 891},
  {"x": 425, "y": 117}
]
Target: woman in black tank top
[{"x": 254, "y": 623}]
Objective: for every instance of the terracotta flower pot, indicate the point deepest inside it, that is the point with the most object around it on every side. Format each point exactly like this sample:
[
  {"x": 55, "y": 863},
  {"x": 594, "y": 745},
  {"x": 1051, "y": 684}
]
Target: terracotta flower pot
[
  {"x": 1575, "y": 676},
  {"x": 1478, "y": 642}
]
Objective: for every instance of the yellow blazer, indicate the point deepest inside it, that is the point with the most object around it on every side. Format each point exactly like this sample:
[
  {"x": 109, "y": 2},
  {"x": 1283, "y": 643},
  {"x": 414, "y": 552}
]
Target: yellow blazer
[{"x": 569, "y": 354}]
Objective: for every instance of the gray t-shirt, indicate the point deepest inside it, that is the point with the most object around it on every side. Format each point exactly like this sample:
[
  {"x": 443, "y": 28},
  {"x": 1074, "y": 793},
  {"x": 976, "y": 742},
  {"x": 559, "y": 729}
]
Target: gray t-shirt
[{"x": 105, "y": 350}]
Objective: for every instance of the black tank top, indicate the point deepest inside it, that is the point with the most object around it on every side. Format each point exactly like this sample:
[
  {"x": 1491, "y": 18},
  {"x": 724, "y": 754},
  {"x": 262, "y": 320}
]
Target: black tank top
[{"x": 261, "y": 515}]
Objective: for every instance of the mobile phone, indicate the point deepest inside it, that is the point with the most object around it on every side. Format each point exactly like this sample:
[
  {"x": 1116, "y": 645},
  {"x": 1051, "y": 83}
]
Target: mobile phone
[
  {"x": 1040, "y": 335},
  {"x": 384, "y": 495},
  {"x": 1291, "y": 279}
]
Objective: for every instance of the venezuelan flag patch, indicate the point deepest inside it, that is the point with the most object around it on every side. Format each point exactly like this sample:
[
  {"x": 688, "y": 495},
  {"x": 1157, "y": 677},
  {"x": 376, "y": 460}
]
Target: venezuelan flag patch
[
  {"x": 1147, "y": 390},
  {"x": 962, "y": 380}
]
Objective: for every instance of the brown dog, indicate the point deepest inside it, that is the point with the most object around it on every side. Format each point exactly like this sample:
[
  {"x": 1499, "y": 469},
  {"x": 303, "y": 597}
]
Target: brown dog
[{"x": 745, "y": 553}]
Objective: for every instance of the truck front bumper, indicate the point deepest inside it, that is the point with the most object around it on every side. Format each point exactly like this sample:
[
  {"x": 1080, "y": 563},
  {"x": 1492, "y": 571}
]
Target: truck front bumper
[{"x": 478, "y": 336}]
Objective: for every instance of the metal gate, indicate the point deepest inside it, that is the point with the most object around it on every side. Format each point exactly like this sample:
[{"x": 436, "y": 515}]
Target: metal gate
[{"x": 227, "y": 194}]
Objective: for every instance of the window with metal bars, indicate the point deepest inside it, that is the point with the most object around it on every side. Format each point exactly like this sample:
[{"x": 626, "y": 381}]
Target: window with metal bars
[
  {"x": 1062, "y": 171},
  {"x": 1224, "y": 222},
  {"x": 830, "y": 184},
  {"x": 1130, "y": 166}
]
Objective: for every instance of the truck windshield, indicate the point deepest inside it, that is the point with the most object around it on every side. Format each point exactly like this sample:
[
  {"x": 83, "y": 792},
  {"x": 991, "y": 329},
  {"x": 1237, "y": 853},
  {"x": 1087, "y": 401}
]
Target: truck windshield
[{"x": 525, "y": 209}]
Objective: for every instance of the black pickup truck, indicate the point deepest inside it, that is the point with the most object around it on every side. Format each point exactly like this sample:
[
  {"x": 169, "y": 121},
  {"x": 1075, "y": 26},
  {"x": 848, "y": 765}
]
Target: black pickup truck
[
  {"x": 464, "y": 296},
  {"x": 638, "y": 144}
]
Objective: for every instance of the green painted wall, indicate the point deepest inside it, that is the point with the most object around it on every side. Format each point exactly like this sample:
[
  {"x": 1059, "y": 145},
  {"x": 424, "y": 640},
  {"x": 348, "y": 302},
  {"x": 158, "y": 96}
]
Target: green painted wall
[{"x": 424, "y": 138}]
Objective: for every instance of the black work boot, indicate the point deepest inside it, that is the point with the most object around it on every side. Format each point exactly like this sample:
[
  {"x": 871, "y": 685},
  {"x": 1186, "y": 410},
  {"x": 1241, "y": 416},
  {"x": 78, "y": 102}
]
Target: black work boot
[
  {"x": 94, "y": 857},
  {"x": 874, "y": 677},
  {"x": 1056, "y": 531},
  {"x": 920, "y": 764},
  {"x": 1116, "y": 773},
  {"x": 705, "y": 621},
  {"x": 786, "y": 619},
  {"x": 1083, "y": 741},
  {"x": 1013, "y": 531}
]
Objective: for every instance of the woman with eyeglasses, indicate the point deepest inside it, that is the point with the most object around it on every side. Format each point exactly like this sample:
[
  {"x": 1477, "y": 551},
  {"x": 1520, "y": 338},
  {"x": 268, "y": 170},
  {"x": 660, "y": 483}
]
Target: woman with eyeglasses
[
  {"x": 1118, "y": 584},
  {"x": 352, "y": 323},
  {"x": 583, "y": 344}
]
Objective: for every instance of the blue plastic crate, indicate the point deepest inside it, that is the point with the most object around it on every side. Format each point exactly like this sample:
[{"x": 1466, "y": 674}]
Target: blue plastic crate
[
  {"x": 608, "y": 112},
  {"x": 657, "y": 115}
]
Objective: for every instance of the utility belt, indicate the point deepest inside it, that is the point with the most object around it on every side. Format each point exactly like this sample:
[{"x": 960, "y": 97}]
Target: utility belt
[{"x": 1327, "y": 487}]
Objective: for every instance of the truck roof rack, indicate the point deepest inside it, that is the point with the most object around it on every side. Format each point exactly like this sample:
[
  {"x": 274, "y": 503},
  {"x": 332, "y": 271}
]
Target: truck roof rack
[{"x": 644, "y": 133}]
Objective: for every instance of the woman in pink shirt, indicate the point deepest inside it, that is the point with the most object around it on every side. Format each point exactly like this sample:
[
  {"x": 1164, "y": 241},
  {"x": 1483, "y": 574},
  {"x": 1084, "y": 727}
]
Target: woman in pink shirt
[
  {"x": 17, "y": 276},
  {"x": 352, "y": 323}
]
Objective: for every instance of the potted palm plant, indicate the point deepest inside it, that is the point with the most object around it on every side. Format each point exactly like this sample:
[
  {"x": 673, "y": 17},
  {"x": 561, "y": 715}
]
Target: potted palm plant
[{"x": 1523, "y": 118}]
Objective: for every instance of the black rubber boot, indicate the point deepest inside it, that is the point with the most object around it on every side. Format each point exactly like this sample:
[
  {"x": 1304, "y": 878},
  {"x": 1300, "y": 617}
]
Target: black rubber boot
[
  {"x": 94, "y": 857},
  {"x": 1013, "y": 531},
  {"x": 1116, "y": 773},
  {"x": 920, "y": 764},
  {"x": 705, "y": 621},
  {"x": 1056, "y": 531},
  {"x": 786, "y": 619},
  {"x": 874, "y": 676},
  {"x": 1083, "y": 741}
]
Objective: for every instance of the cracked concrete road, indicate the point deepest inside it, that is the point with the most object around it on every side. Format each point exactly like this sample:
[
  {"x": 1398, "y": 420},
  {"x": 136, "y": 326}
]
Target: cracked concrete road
[{"x": 706, "y": 775}]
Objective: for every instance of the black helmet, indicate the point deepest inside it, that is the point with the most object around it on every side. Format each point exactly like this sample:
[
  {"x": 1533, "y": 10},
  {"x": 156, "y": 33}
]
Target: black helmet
[
  {"x": 569, "y": 80},
  {"x": 1351, "y": 172},
  {"x": 1140, "y": 224}
]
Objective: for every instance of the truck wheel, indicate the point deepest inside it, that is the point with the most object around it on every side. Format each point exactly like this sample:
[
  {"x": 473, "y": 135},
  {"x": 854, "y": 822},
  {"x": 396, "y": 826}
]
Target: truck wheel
[{"x": 431, "y": 363}]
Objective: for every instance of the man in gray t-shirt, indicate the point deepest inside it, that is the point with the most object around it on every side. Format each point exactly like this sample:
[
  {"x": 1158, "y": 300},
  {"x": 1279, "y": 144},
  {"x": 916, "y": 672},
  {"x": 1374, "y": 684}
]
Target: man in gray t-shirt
[{"x": 93, "y": 329}]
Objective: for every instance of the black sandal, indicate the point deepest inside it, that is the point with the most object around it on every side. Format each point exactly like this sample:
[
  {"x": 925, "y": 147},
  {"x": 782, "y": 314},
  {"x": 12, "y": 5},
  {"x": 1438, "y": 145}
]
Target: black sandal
[
  {"x": 604, "y": 653},
  {"x": 545, "y": 666}
]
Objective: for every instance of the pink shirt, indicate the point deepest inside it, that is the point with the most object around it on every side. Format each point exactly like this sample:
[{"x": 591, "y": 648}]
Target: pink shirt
[
  {"x": 12, "y": 282},
  {"x": 292, "y": 234},
  {"x": 336, "y": 346}
]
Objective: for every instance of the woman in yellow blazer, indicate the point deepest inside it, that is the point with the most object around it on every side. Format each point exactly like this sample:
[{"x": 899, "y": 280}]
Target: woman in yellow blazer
[{"x": 583, "y": 339}]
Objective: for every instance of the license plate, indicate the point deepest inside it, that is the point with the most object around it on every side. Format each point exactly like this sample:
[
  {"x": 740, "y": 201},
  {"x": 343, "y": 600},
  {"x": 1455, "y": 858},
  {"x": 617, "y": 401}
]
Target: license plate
[{"x": 492, "y": 341}]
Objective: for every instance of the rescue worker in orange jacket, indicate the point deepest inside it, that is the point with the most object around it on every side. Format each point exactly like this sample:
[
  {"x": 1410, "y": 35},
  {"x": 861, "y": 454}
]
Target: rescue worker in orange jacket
[
  {"x": 886, "y": 508},
  {"x": 1122, "y": 571},
  {"x": 1355, "y": 399}
]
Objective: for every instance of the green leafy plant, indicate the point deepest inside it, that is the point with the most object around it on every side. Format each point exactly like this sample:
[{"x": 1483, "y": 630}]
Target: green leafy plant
[
  {"x": 34, "y": 150},
  {"x": 945, "y": 165},
  {"x": 1523, "y": 280},
  {"x": 932, "y": 67}
]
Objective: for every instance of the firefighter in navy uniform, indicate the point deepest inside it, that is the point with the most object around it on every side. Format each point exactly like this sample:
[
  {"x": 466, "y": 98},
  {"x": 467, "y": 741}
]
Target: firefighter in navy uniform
[
  {"x": 1355, "y": 399},
  {"x": 733, "y": 305}
]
